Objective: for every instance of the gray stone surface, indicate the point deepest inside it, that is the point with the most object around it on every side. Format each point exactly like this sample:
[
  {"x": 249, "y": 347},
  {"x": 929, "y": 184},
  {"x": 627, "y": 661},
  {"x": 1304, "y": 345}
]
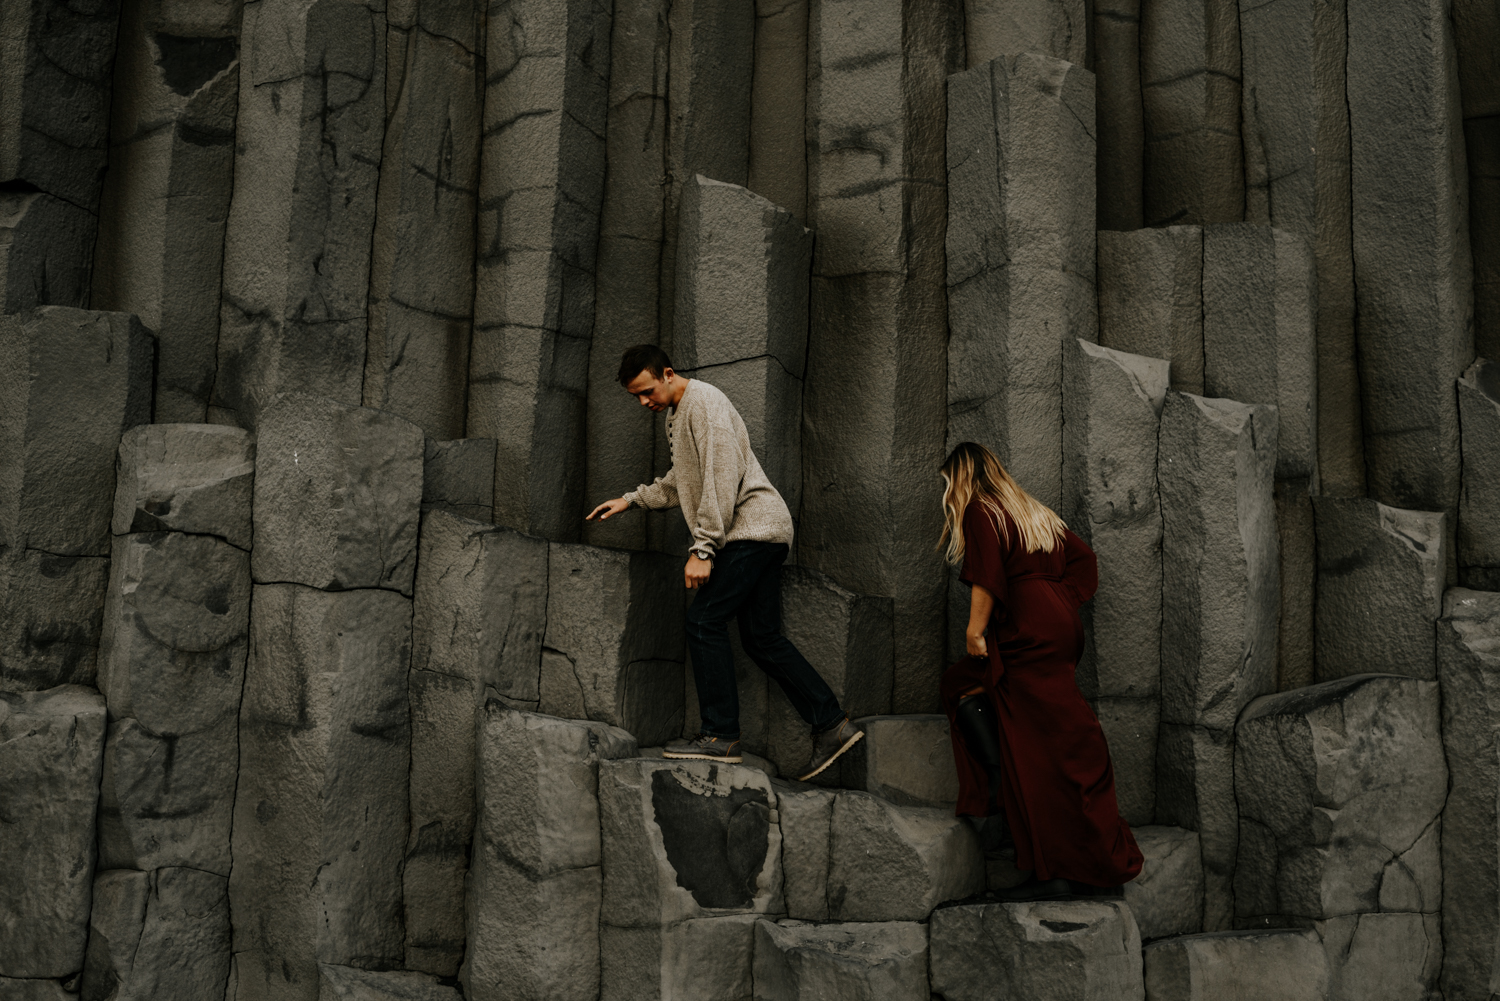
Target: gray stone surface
[
  {"x": 1090, "y": 950},
  {"x": 795, "y": 961},
  {"x": 1340, "y": 786},
  {"x": 874, "y": 400},
  {"x": 1479, "y": 502},
  {"x": 687, "y": 839},
  {"x": 459, "y": 476},
  {"x": 1151, "y": 298},
  {"x": 778, "y": 105},
  {"x": 1056, "y": 28},
  {"x": 1296, "y": 531},
  {"x": 1020, "y": 257},
  {"x": 806, "y": 814},
  {"x": 51, "y": 611},
  {"x": 1130, "y": 726},
  {"x": 308, "y": 143},
  {"x": 1482, "y": 143},
  {"x": 702, "y": 958},
  {"x": 1382, "y": 957},
  {"x": 51, "y": 747},
  {"x": 1112, "y": 404},
  {"x": 166, "y": 194},
  {"x": 1380, "y": 587},
  {"x": 1190, "y": 90},
  {"x": 1167, "y": 897},
  {"x": 354, "y": 984},
  {"x": 534, "y": 887},
  {"x": 46, "y": 249},
  {"x": 1195, "y": 790},
  {"x": 1283, "y": 964},
  {"x": 1412, "y": 266},
  {"x": 338, "y": 492},
  {"x": 1121, "y": 127},
  {"x": 13, "y": 989},
  {"x": 542, "y": 179},
  {"x": 896, "y": 863},
  {"x": 907, "y": 760},
  {"x": 846, "y": 638},
  {"x": 1259, "y": 344},
  {"x": 1468, "y": 670},
  {"x": 185, "y": 478},
  {"x": 320, "y": 821},
  {"x": 72, "y": 382},
  {"x": 161, "y": 934},
  {"x": 614, "y": 640},
  {"x": 56, "y": 79}
]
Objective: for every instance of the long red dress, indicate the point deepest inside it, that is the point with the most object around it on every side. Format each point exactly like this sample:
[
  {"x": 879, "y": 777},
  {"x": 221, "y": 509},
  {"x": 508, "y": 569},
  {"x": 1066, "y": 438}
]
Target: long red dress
[{"x": 1058, "y": 788}]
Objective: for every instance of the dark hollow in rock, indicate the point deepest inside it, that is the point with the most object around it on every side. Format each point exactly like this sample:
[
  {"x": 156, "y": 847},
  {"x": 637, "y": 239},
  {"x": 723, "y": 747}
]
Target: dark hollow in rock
[
  {"x": 189, "y": 63},
  {"x": 716, "y": 844}
]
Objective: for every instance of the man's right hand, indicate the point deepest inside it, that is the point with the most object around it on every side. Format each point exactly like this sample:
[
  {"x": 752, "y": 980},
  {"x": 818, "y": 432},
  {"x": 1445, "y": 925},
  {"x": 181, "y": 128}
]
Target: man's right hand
[{"x": 608, "y": 508}]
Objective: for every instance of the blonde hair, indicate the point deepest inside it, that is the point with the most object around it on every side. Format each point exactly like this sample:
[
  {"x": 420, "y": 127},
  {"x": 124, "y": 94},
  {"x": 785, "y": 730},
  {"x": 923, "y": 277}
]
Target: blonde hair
[{"x": 973, "y": 473}]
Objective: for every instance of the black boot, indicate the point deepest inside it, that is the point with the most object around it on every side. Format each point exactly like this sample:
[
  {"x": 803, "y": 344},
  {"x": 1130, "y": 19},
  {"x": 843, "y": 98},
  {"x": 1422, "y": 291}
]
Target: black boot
[{"x": 981, "y": 733}]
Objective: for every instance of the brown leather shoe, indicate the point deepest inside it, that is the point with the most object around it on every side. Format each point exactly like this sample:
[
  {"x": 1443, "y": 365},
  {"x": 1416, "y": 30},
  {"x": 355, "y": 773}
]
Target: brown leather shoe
[
  {"x": 829, "y": 744},
  {"x": 705, "y": 748}
]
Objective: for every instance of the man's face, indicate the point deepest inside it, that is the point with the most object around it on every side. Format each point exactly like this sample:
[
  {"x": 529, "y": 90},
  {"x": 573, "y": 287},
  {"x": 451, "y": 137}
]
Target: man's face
[{"x": 654, "y": 393}]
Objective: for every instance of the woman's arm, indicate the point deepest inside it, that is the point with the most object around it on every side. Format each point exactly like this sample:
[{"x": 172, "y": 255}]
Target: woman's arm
[{"x": 981, "y": 604}]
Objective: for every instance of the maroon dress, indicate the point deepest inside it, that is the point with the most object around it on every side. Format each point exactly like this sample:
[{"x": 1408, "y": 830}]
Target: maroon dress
[{"x": 1059, "y": 787}]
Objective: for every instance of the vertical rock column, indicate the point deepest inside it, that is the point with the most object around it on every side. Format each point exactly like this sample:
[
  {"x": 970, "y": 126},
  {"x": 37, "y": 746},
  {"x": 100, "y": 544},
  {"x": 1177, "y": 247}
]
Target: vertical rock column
[
  {"x": 1412, "y": 267},
  {"x": 1478, "y": 44},
  {"x": 480, "y": 608},
  {"x": 166, "y": 194},
  {"x": 1190, "y": 90},
  {"x": 72, "y": 382},
  {"x": 421, "y": 267},
  {"x": 995, "y": 28},
  {"x": 320, "y": 819},
  {"x": 873, "y": 405},
  {"x": 54, "y": 135},
  {"x": 1120, "y": 116},
  {"x": 1020, "y": 257},
  {"x": 172, "y": 669},
  {"x": 308, "y": 145},
  {"x": 1112, "y": 411},
  {"x": 1151, "y": 298},
  {"x": 1479, "y": 503},
  {"x": 1219, "y": 607},
  {"x": 542, "y": 177},
  {"x": 778, "y": 105}
]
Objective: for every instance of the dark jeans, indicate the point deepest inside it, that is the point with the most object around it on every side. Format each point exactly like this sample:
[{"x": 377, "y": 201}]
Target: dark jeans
[{"x": 746, "y": 585}]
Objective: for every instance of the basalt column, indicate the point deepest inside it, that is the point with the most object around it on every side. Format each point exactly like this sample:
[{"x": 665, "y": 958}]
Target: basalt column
[{"x": 1478, "y": 45}]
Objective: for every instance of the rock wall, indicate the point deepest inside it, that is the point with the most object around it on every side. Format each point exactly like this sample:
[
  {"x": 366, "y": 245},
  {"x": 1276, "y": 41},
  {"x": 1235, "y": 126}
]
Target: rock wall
[{"x": 315, "y": 684}]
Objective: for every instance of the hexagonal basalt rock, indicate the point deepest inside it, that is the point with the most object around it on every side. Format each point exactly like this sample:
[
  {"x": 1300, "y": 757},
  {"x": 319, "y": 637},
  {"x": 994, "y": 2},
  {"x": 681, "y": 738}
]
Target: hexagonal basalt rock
[
  {"x": 1167, "y": 897},
  {"x": 1282, "y": 963},
  {"x": 896, "y": 863},
  {"x": 805, "y": 962},
  {"x": 186, "y": 478}
]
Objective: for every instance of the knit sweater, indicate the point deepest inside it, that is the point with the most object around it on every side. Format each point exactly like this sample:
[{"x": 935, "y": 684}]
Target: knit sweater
[{"x": 716, "y": 479}]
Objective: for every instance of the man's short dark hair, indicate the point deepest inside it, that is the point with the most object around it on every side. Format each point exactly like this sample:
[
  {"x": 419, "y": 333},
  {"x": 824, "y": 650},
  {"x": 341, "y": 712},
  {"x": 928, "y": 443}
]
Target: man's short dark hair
[{"x": 643, "y": 358}]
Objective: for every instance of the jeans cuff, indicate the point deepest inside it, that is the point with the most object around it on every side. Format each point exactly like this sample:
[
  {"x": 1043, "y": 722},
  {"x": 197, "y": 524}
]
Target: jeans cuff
[
  {"x": 721, "y": 736},
  {"x": 838, "y": 718}
]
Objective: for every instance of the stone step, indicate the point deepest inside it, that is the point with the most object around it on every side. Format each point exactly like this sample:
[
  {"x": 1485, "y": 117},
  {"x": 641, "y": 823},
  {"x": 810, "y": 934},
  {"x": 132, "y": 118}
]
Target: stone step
[
  {"x": 1167, "y": 897},
  {"x": 797, "y": 961},
  {"x": 1284, "y": 964}
]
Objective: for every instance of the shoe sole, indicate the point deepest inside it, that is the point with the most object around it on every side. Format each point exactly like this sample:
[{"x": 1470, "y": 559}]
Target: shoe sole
[
  {"x": 858, "y": 736},
  {"x": 728, "y": 759}
]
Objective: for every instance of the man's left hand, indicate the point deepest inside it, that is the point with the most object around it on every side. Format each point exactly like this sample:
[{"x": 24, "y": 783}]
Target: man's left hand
[{"x": 695, "y": 574}]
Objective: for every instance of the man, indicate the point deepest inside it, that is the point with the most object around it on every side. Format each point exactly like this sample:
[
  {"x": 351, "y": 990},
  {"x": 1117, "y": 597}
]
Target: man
[{"x": 742, "y": 532}]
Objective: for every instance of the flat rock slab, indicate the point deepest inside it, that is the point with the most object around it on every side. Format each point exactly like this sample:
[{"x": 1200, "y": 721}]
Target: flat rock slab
[
  {"x": 51, "y": 613},
  {"x": 907, "y": 760},
  {"x": 51, "y": 751},
  {"x": 338, "y": 493},
  {"x": 1283, "y": 964},
  {"x": 1087, "y": 950},
  {"x": 1167, "y": 897},
  {"x": 707, "y": 959},
  {"x": 347, "y": 983},
  {"x": 1379, "y": 588},
  {"x": 74, "y": 380},
  {"x": 186, "y": 478},
  {"x": 459, "y": 476},
  {"x": 896, "y": 863},
  {"x": 795, "y": 961},
  {"x": 159, "y": 934}
]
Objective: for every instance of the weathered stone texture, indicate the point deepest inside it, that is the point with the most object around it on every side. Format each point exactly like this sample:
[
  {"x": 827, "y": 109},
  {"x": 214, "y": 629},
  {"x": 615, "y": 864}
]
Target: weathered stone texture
[
  {"x": 308, "y": 144},
  {"x": 542, "y": 179},
  {"x": 185, "y": 478},
  {"x": 614, "y": 640},
  {"x": 1151, "y": 298},
  {"x": 1020, "y": 256},
  {"x": 161, "y": 934},
  {"x": 1412, "y": 267},
  {"x": 459, "y": 476},
  {"x": 46, "y": 251},
  {"x": 778, "y": 105},
  {"x": 1195, "y": 790},
  {"x": 349, "y": 983},
  {"x": 907, "y": 760},
  {"x": 1380, "y": 588},
  {"x": 51, "y": 748},
  {"x": 12, "y": 989},
  {"x": 806, "y": 814},
  {"x": 1285, "y": 964},
  {"x": 1479, "y": 502},
  {"x": 51, "y": 611},
  {"x": 1167, "y": 897},
  {"x": 896, "y": 863},
  {"x": 1121, "y": 129},
  {"x": 703, "y": 958},
  {"x": 873, "y": 406},
  {"x": 1190, "y": 90},
  {"x": 1298, "y": 544},
  {"x": 421, "y": 298},
  {"x": 338, "y": 493},
  {"x": 166, "y": 194},
  {"x": 1045, "y": 949},
  {"x": 71, "y": 382},
  {"x": 795, "y": 961},
  {"x": 1130, "y": 726},
  {"x": 321, "y": 808},
  {"x": 1468, "y": 670},
  {"x": 994, "y": 28},
  {"x": 1382, "y": 957},
  {"x": 1482, "y": 142},
  {"x": 1259, "y": 314}
]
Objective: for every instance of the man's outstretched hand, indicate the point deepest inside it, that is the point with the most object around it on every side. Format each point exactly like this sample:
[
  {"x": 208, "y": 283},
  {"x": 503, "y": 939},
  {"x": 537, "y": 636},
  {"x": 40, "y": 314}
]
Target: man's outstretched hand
[
  {"x": 609, "y": 507},
  {"x": 695, "y": 574}
]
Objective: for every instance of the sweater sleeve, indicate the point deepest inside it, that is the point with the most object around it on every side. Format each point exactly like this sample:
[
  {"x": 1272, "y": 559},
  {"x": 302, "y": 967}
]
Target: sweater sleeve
[
  {"x": 657, "y": 495},
  {"x": 723, "y": 470}
]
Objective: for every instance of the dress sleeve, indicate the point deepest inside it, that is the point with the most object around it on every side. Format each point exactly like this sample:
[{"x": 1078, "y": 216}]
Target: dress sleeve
[
  {"x": 984, "y": 554},
  {"x": 1080, "y": 566}
]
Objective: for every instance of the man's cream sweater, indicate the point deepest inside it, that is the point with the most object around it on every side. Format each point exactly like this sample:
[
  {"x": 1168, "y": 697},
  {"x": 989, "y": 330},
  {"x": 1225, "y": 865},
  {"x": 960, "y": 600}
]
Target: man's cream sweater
[{"x": 715, "y": 477}]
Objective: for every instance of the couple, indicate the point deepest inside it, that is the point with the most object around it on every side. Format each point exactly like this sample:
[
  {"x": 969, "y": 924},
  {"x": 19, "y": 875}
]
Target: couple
[{"x": 1034, "y": 772}]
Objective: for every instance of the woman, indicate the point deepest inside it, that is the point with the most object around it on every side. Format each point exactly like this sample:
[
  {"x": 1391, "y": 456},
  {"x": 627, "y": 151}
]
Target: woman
[{"x": 1028, "y": 747}]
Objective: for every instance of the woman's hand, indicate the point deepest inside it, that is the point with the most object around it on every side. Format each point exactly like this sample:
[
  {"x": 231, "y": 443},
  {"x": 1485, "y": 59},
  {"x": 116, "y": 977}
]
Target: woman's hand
[{"x": 975, "y": 644}]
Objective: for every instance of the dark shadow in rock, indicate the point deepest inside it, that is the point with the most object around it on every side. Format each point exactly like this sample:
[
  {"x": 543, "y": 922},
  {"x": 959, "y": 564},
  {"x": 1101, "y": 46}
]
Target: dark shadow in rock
[{"x": 717, "y": 844}]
